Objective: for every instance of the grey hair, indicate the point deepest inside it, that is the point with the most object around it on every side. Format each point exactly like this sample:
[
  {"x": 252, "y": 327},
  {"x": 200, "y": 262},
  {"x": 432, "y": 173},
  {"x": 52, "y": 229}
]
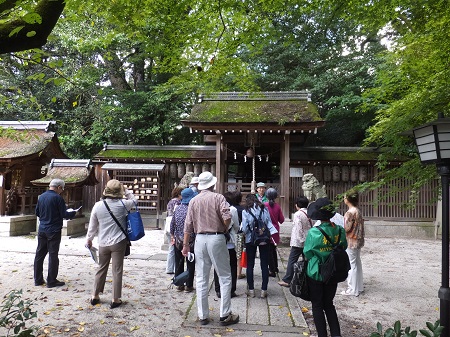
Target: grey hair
[{"x": 57, "y": 182}]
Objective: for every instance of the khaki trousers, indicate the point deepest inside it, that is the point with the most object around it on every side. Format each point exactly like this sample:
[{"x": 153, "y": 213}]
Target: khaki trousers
[{"x": 105, "y": 255}]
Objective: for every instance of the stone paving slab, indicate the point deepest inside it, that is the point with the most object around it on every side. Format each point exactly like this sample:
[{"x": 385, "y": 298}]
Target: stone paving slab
[{"x": 274, "y": 314}]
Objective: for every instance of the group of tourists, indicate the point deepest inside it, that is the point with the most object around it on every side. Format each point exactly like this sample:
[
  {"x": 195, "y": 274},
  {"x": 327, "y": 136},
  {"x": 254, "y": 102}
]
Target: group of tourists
[
  {"x": 208, "y": 229},
  {"x": 220, "y": 220}
]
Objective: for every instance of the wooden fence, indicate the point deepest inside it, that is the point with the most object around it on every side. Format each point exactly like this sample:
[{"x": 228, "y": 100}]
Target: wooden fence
[{"x": 392, "y": 201}]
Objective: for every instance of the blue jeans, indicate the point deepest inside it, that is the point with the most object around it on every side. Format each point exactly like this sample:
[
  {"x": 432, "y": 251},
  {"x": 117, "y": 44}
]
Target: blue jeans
[
  {"x": 322, "y": 296},
  {"x": 264, "y": 251},
  {"x": 293, "y": 258},
  {"x": 47, "y": 243}
]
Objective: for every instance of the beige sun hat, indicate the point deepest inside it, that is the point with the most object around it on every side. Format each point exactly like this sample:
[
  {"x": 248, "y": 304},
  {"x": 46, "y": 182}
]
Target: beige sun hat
[
  {"x": 206, "y": 180},
  {"x": 114, "y": 189}
]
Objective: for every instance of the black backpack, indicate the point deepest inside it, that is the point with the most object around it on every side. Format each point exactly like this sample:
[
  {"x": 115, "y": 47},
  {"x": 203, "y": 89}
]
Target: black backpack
[
  {"x": 260, "y": 233},
  {"x": 336, "y": 266}
]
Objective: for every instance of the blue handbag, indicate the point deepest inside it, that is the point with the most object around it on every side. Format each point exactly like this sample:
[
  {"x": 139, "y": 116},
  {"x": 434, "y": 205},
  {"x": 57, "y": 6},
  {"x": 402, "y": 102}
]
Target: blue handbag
[{"x": 135, "y": 226}]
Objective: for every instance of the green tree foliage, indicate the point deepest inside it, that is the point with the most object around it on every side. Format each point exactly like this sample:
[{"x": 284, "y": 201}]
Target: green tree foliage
[
  {"x": 315, "y": 49},
  {"x": 412, "y": 83},
  {"x": 126, "y": 71},
  {"x": 120, "y": 77}
]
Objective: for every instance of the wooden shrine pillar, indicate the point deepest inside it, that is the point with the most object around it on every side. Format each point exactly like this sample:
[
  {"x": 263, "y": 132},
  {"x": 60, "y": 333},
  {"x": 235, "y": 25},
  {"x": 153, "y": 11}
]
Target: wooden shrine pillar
[
  {"x": 2, "y": 195},
  {"x": 284, "y": 175},
  {"x": 220, "y": 164}
]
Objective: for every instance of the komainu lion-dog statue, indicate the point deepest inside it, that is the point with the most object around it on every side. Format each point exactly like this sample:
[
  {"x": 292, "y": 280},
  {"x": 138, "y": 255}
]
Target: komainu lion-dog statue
[{"x": 311, "y": 187}]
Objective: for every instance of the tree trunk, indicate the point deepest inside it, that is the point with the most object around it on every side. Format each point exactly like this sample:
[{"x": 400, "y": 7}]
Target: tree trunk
[{"x": 49, "y": 10}]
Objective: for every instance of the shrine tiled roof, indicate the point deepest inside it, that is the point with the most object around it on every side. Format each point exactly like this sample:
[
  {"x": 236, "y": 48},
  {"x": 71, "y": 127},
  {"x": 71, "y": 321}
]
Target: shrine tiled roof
[
  {"x": 73, "y": 172},
  {"x": 21, "y": 143},
  {"x": 149, "y": 153},
  {"x": 269, "y": 110}
]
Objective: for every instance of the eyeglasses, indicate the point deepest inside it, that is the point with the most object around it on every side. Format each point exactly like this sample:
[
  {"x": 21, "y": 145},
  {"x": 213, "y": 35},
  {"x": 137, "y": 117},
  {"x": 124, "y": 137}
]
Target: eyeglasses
[{"x": 62, "y": 188}]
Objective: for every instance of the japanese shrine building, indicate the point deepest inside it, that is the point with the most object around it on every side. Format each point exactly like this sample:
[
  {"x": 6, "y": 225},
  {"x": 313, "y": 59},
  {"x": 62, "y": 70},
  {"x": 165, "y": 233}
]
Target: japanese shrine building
[{"x": 258, "y": 137}]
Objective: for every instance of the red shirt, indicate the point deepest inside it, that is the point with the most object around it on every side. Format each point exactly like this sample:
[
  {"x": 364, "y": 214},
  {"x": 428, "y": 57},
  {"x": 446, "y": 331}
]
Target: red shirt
[{"x": 277, "y": 217}]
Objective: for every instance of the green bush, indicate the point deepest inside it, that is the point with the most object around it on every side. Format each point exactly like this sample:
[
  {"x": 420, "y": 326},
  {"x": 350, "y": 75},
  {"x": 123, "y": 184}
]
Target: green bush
[
  {"x": 434, "y": 330},
  {"x": 14, "y": 314}
]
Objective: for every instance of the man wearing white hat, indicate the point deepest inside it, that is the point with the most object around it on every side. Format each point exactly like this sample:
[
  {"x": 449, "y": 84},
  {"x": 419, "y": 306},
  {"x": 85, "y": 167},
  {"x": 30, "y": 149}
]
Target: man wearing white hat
[{"x": 209, "y": 218}]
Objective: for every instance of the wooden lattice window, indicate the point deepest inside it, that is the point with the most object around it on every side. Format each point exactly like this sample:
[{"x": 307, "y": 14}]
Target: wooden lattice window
[{"x": 144, "y": 184}]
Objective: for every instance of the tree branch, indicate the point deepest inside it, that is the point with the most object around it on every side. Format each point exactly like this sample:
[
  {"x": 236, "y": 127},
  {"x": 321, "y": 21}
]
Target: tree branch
[{"x": 49, "y": 10}]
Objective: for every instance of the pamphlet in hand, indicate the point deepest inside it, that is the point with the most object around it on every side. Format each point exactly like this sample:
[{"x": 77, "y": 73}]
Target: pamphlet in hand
[
  {"x": 73, "y": 210},
  {"x": 93, "y": 251}
]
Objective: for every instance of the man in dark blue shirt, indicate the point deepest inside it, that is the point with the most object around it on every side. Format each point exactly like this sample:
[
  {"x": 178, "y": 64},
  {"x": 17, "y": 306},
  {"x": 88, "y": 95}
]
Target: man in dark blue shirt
[{"x": 51, "y": 211}]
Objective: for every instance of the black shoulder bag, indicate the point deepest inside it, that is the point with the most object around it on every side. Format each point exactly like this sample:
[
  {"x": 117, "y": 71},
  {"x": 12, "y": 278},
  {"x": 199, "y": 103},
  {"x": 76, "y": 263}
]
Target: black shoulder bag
[{"x": 127, "y": 250}]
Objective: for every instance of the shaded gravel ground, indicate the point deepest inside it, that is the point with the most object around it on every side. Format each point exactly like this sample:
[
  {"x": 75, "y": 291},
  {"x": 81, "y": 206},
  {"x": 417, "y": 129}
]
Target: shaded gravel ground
[{"x": 402, "y": 278}]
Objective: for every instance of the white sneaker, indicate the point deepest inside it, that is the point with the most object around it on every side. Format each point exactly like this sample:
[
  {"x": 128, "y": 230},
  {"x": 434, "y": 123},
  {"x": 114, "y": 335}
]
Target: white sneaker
[
  {"x": 251, "y": 293},
  {"x": 263, "y": 293},
  {"x": 348, "y": 292}
]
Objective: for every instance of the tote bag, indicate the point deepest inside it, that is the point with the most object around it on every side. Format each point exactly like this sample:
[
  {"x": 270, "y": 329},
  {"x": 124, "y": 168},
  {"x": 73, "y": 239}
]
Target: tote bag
[
  {"x": 135, "y": 226},
  {"x": 299, "y": 283}
]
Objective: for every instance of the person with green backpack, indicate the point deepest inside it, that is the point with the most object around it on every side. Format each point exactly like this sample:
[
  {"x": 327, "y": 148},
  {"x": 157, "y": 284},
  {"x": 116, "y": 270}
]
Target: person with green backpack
[{"x": 317, "y": 250}]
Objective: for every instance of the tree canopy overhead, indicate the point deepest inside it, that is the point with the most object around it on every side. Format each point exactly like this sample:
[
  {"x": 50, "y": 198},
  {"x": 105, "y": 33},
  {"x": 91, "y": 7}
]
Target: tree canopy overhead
[{"x": 127, "y": 71}]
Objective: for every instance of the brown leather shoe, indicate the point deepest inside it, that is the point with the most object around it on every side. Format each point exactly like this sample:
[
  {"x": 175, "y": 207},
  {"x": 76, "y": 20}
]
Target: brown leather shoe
[{"x": 230, "y": 319}]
